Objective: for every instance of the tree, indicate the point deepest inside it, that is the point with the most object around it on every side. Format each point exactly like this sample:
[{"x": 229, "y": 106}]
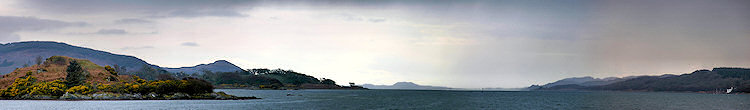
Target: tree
[
  {"x": 257, "y": 71},
  {"x": 165, "y": 76},
  {"x": 111, "y": 70},
  {"x": 327, "y": 81},
  {"x": 119, "y": 69},
  {"x": 76, "y": 75},
  {"x": 39, "y": 60},
  {"x": 192, "y": 85}
]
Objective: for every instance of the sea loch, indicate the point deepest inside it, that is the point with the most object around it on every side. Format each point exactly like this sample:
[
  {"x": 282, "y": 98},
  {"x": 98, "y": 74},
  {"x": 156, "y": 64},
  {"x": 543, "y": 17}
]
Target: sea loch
[{"x": 417, "y": 99}]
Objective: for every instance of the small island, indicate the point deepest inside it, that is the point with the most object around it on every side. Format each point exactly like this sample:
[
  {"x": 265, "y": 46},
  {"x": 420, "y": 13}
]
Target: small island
[{"x": 66, "y": 78}]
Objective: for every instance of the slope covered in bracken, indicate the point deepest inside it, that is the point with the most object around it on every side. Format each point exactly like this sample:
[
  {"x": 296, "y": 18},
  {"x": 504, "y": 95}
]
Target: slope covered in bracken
[{"x": 54, "y": 68}]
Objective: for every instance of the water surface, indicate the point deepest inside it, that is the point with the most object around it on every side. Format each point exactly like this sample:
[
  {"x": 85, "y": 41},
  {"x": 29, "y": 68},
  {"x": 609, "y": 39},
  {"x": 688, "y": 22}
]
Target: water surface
[{"x": 414, "y": 99}]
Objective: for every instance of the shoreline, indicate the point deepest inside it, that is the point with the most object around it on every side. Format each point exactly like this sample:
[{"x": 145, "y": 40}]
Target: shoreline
[{"x": 119, "y": 96}]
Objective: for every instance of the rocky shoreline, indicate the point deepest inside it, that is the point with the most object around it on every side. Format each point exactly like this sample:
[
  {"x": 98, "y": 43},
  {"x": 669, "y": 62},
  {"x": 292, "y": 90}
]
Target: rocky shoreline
[{"x": 136, "y": 96}]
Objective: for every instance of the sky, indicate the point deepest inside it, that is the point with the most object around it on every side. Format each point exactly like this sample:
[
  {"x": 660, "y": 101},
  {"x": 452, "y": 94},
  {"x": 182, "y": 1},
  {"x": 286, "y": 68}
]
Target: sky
[{"x": 463, "y": 44}]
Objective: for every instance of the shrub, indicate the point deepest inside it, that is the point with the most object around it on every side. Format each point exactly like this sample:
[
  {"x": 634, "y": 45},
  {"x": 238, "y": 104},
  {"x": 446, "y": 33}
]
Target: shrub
[
  {"x": 53, "y": 88},
  {"x": 138, "y": 79},
  {"x": 20, "y": 86},
  {"x": 26, "y": 85},
  {"x": 195, "y": 86},
  {"x": 110, "y": 70},
  {"x": 328, "y": 81},
  {"x": 60, "y": 60},
  {"x": 165, "y": 87},
  {"x": 82, "y": 89},
  {"x": 105, "y": 88}
]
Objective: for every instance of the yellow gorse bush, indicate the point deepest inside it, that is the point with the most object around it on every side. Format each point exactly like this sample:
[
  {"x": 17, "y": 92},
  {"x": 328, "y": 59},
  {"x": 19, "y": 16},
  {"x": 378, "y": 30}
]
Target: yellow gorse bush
[
  {"x": 20, "y": 86},
  {"x": 82, "y": 89},
  {"x": 28, "y": 85},
  {"x": 54, "y": 88}
]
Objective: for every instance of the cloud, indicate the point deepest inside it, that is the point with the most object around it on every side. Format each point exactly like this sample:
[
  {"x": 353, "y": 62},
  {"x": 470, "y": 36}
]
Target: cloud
[
  {"x": 9, "y": 25},
  {"x": 202, "y": 13},
  {"x": 133, "y": 21},
  {"x": 376, "y": 20},
  {"x": 191, "y": 44},
  {"x": 137, "y": 48},
  {"x": 144, "y": 8},
  {"x": 112, "y": 32},
  {"x": 350, "y": 17}
]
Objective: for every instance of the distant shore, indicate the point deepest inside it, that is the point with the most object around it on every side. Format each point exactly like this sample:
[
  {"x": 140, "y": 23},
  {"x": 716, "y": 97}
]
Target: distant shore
[{"x": 303, "y": 86}]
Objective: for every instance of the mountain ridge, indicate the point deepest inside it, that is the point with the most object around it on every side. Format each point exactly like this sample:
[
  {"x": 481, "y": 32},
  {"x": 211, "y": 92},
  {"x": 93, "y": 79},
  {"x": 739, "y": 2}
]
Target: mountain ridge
[
  {"x": 708, "y": 81},
  {"x": 406, "y": 85},
  {"x": 216, "y": 66},
  {"x": 17, "y": 54}
]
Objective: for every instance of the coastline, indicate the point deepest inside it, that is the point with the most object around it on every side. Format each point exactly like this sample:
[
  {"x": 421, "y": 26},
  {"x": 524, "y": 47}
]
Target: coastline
[{"x": 117, "y": 96}]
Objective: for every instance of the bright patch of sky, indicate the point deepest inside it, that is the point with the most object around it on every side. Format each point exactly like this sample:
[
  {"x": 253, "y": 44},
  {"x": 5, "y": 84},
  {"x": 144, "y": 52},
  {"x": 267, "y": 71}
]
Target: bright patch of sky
[{"x": 467, "y": 44}]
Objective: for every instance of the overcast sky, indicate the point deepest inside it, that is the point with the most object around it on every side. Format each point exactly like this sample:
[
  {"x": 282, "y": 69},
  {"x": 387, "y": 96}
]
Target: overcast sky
[{"x": 466, "y": 44}]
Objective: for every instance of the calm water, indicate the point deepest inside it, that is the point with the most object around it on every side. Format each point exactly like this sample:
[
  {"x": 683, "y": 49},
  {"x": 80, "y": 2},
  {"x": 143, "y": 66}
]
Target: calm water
[{"x": 403, "y": 99}]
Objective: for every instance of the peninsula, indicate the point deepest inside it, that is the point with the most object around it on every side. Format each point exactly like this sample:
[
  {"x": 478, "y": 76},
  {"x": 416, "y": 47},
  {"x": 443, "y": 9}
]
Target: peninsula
[{"x": 66, "y": 78}]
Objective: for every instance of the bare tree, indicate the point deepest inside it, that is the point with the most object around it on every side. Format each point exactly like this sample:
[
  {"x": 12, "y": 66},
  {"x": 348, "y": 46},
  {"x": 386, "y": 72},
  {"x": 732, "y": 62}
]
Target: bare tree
[{"x": 39, "y": 60}]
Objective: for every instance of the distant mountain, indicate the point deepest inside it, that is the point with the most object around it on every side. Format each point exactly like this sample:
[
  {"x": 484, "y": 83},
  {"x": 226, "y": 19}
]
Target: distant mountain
[
  {"x": 405, "y": 85},
  {"x": 586, "y": 81},
  {"x": 217, "y": 66},
  {"x": 567, "y": 81},
  {"x": 700, "y": 80},
  {"x": 16, "y": 55},
  {"x": 715, "y": 80}
]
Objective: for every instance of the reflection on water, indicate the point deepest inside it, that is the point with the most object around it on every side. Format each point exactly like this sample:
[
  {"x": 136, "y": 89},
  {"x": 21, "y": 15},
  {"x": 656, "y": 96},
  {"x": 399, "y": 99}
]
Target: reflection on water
[{"x": 404, "y": 99}]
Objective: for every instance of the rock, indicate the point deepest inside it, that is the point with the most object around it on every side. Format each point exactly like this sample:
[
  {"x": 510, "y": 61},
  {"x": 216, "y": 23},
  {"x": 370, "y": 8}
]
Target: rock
[
  {"x": 84, "y": 97},
  {"x": 180, "y": 96},
  {"x": 152, "y": 95},
  {"x": 43, "y": 97},
  {"x": 222, "y": 95},
  {"x": 69, "y": 96},
  {"x": 213, "y": 94},
  {"x": 36, "y": 97},
  {"x": 137, "y": 96},
  {"x": 104, "y": 96},
  {"x": 131, "y": 96}
]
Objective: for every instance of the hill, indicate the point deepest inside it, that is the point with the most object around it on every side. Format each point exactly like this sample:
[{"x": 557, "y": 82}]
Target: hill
[
  {"x": 713, "y": 81},
  {"x": 16, "y": 55},
  {"x": 60, "y": 77},
  {"x": 217, "y": 66},
  {"x": 22, "y": 54},
  {"x": 262, "y": 78},
  {"x": 586, "y": 81},
  {"x": 701, "y": 80},
  {"x": 54, "y": 68},
  {"x": 405, "y": 85}
]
